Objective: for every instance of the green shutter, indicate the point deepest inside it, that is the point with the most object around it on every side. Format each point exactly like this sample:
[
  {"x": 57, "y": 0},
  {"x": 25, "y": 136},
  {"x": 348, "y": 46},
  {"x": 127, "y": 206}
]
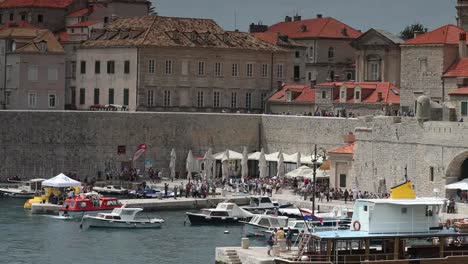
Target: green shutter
[
  {"x": 464, "y": 108},
  {"x": 126, "y": 97}
]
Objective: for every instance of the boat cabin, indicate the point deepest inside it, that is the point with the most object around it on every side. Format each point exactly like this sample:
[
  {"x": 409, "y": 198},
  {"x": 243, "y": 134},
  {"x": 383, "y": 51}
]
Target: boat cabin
[
  {"x": 261, "y": 202},
  {"x": 124, "y": 214},
  {"x": 87, "y": 204},
  {"x": 269, "y": 221}
]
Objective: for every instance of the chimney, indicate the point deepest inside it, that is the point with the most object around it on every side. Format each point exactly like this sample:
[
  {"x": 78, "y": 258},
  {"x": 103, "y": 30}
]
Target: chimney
[
  {"x": 462, "y": 45},
  {"x": 303, "y": 28},
  {"x": 287, "y": 19},
  {"x": 257, "y": 28},
  {"x": 297, "y": 18},
  {"x": 319, "y": 15},
  {"x": 418, "y": 33}
]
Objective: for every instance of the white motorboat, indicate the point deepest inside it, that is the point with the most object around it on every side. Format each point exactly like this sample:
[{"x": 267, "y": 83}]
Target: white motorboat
[
  {"x": 25, "y": 189},
  {"x": 120, "y": 218},
  {"x": 259, "y": 204},
  {"x": 224, "y": 213},
  {"x": 110, "y": 189},
  {"x": 262, "y": 224}
]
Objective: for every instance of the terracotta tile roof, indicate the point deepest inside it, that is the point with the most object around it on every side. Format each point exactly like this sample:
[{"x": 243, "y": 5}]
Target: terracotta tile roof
[
  {"x": 458, "y": 69},
  {"x": 86, "y": 11},
  {"x": 349, "y": 149},
  {"x": 21, "y": 24},
  {"x": 459, "y": 91},
  {"x": 448, "y": 34},
  {"x": 327, "y": 27},
  {"x": 174, "y": 32},
  {"x": 36, "y": 3},
  {"x": 27, "y": 39},
  {"x": 390, "y": 94},
  {"x": 301, "y": 93},
  {"x": 85, "y": 23}
]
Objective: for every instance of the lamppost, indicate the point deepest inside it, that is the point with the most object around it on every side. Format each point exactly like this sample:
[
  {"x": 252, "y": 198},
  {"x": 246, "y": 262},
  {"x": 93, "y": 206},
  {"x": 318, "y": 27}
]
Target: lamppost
[{"x": 315, "y": 163}]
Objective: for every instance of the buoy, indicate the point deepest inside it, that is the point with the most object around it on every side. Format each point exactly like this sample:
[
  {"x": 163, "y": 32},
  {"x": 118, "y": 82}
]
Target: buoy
[{"x": 226, "y": 231}]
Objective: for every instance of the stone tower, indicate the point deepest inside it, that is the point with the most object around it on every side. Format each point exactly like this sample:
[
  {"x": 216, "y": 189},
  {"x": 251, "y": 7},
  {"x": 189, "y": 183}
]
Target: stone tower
[{"x": 462, "y": 14}]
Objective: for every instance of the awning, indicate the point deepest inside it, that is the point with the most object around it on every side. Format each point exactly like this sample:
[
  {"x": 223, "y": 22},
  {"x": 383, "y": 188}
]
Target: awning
[{"x": 61, "y": 181}]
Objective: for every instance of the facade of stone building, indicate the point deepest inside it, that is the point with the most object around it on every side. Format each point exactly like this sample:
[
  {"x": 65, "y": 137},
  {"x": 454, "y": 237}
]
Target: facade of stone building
[
  {"x": 378, "y": 57},
  {"x": 328, "y": 55},
  {"x": 34, "y": 70},
  {"x": 459, "y": 100},
  {"x": 341, "y": 162},
  {"x": 462, "y": 14},
  {"x": 186, "y": 64}
]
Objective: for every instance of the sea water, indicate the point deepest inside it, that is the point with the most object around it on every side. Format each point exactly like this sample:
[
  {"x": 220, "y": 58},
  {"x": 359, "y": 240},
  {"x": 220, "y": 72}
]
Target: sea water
[{"x": 40, "y": 239}]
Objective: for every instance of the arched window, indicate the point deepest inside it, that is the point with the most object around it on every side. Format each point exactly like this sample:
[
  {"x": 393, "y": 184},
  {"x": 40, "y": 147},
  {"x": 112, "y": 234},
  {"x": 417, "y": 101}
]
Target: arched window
[
  {"x": 331, "y": 53},
  {"x": 373, "y": 68},
  {"x": 311, "y": 52}
]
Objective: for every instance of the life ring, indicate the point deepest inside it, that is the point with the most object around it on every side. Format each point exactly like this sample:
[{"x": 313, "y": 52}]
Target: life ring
[{"x": 356, "y": 225}]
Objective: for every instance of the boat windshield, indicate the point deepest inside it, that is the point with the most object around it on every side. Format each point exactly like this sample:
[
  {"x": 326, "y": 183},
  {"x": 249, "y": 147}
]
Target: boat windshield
[
  {"x": 265, "y": 200},
  {"x": 219, "y": 213},
  {"x": 274, "y": 222}
]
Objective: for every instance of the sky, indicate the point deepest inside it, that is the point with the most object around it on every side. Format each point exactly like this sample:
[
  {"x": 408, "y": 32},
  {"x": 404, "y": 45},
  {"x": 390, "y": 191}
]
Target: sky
[{"x": 391, "y": 15}]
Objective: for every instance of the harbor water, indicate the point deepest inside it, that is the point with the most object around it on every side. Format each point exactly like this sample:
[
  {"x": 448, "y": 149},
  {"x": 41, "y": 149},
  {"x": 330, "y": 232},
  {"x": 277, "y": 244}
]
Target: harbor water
[{"x": 40, "y": 239}]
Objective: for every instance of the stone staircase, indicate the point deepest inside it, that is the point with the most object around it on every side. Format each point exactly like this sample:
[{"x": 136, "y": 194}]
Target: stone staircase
[{"x": 233, "y": 257}]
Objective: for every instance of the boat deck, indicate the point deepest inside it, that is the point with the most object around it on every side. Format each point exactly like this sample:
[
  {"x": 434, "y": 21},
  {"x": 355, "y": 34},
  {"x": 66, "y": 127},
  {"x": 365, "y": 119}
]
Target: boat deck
[{"x": 349, "y": 234}]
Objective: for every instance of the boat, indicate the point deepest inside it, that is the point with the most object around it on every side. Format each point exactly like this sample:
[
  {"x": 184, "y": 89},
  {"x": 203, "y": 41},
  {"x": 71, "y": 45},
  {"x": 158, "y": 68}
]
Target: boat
[
  {"x": 120, "y": 218},
  {"x": 88, "y": 203},
  {"x": 25, "y": 189},
  {"x": 224, "y": 213},
  {"x": 400, "y": 229},
  {"x": 259, "y": 204},
  {"x": 150, "y": 193},
  {"x": 111, "y": 189},
  {"x": 262, "y": 224}
]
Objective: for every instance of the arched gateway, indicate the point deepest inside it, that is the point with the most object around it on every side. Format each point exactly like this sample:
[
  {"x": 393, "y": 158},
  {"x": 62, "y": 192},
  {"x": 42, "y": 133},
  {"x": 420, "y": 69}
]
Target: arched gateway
[{"x": 457, "y": 169}]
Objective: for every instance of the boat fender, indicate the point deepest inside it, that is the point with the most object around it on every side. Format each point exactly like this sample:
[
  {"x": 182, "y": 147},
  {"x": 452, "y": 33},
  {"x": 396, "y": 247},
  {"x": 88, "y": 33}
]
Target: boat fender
[
  {"x": 356, "y": 225},
  {"x": 223, "y": 218},
  {"x": 226, "y": 231},
  {"x": 235, "y": 218}
]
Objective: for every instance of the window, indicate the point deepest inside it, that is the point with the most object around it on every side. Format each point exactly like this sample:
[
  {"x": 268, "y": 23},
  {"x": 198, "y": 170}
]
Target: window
[
  {"x": 52, "y": 100},
  {"x": 365, "y": 208},
  {"x": 324, "y": 94},
  {"x": 373, "y": 71},
  {"x": 151, "y": 66},
  {"x": 1, "y": 19},
  {"x": 127, "y": 67},
  {"x": 150, "y": 97},
  {"x": 52, "y": 74},
  {"x": 218, "y": 69},
  {"x": 264, "y": 70},
  {"x": 464, "y": 108},
  {"x": 106, "y": 20},
  {"x": 297, "y": 72},
  {"x": 73, "y": 95},
  {"x": 234, "y": 100},
  {"x": 357, "y": 95},
  {"x": 73, "y": 69},
  {"x": 262, "y": 100},
  {"x": 297, "y": 54},
  {"x": 8, "y": 71},
  {"x": 7, "y": 98},
  {"x": 97, "y": 67},
  {"x": 96, "y": 96},
  {"x": 235, "y": 70},
  {"x": 32, "y": 99},
  {"x": 311, "y": 52},
  {"x": 423, "y": 65},
  {"x": 331, "y": 53},
  {"x": 342, "y": 180},
  {"x": 82, "y": 96},
  {"x": 249, "y": 70},
  {"x": 40, "y": 18},
  {"x": 167, "y": 98},
  {"x": 429, "y": 210},
  {"x": 185, "y": 67},
  {"x": 110, "y": 67},
  {"x": 201, "y": 68},
  {"x": 110, "y": 98},
  {"x": 309, "y": 76},
  {"x": 42, "y": 46},
  {"x": 23, "y": 17},
  {"x": 32, "y": 73},
  {"x": 431, "y": 174},
  {"x": 248, "y": 100},
  {"x": 404, "y": 210},
  {"x": 279, "y": 71},
  {"x": 343, "y": 94},
  {"x": 168, "y": 68},
  {"x": 200, "y": 98},
  {"x": 216, "y": 99},
  {"x": 83, "y": 67},
  {"x": 12, "y": 16},
  {"x": 126, "y": 96}
]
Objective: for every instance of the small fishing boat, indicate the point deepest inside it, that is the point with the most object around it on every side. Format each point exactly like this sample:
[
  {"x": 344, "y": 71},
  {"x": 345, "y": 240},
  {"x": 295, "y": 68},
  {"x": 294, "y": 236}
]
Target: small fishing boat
[
  {"x": 262, "y": 224},
  {"x": 88, "y": 203},
  {"x": 120, "y": 218},
  {"x": 224, "y": 213},
  {"x": 25, "y": 189}
]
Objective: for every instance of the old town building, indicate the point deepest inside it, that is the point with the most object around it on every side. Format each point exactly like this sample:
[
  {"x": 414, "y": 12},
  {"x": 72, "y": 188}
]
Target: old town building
[
  {"x": 327, "y": 55},
  {"x": 156, "y": 63}
]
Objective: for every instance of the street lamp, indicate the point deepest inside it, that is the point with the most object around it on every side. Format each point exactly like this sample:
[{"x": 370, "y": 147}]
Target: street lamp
[{"x": 315, "y": 163}]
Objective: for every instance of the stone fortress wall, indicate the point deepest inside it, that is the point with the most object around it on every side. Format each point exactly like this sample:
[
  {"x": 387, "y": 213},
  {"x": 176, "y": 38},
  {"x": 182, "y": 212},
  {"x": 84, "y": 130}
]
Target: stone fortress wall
[{"x": 43, "y": 143}]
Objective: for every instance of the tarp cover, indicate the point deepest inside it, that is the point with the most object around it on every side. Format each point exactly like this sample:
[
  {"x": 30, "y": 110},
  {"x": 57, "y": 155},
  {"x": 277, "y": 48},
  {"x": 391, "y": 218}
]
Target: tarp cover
[{"x": 61, "y": 181}]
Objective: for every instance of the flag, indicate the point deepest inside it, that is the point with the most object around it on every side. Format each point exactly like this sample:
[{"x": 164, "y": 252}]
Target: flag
[
  {"x": 141, "y": 148},
  {"x": 308, "y": 215}
]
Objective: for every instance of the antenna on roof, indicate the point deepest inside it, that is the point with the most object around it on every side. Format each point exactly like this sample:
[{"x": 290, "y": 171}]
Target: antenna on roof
[{"x": 235, "y": 19}]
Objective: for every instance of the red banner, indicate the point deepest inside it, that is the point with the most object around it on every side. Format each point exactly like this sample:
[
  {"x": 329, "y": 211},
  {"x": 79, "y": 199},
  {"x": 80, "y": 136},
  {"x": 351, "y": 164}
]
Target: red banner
[{"x": 141, "y": 148}]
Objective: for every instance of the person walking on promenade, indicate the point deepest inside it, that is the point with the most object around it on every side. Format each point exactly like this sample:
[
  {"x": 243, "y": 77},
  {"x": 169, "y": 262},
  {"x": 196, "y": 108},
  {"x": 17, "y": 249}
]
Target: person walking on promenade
[
  {"x": 289, "y": 236},
  {"x": 270, "y": 243},
  {"x": 166, "y": 188},
  {"x": 175, "y": 192},
  {"x": 346, "y": 195}
]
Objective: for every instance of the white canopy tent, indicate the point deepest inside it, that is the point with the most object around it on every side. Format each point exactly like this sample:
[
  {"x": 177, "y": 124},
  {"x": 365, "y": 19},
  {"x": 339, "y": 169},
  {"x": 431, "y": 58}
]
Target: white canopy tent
[
  {"x": 307, "y": 172},
  {"x": 189, "y": 164},
  {"x": 208, "y": 168},
  {"x": 172, "y": 163},
  {"x": 244, "y": 164},
  {"x": 61, "y": 181},
  {"x": 288, "y": 158},
  {"x": 229, "y": 154},
  {"x": 262, "y": 165},
  {"x": 462, "y": 185}
]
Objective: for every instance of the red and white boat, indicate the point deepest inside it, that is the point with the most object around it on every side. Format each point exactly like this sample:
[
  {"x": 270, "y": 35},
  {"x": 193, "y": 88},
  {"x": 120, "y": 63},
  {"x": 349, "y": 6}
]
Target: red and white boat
[{"x": 89, "y": 203}]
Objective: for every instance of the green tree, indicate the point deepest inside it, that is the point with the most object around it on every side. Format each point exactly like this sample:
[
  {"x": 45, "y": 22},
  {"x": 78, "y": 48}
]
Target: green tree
[{"x": 408, "y": 32}]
